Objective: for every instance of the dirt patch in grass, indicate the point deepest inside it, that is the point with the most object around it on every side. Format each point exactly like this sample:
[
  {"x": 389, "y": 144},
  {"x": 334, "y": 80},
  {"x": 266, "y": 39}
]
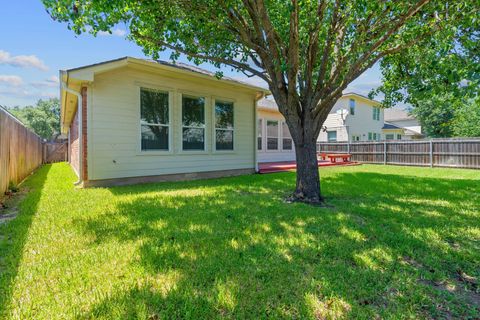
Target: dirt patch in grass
[
  {"x": 9, "y": 204},
  {"x": 458, "y": 288}
]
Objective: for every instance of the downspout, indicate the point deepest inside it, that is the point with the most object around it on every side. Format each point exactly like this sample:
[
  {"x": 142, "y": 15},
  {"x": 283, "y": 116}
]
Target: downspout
[
  {"x": 255, "y": 138},
  {"x": 80, "y": 125}
]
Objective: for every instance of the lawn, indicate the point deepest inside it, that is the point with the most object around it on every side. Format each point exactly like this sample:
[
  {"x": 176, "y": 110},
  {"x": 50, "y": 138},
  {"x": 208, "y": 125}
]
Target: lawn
[{"x": 397, "y": 242}]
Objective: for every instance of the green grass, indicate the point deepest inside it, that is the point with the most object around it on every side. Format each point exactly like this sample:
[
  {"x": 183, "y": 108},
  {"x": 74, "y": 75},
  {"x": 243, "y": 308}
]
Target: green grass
[{"x": 399, "y": 242}]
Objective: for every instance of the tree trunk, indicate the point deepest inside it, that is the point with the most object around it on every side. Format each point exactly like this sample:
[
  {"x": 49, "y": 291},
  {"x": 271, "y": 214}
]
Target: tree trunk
[{"x": 308, "y": 178}]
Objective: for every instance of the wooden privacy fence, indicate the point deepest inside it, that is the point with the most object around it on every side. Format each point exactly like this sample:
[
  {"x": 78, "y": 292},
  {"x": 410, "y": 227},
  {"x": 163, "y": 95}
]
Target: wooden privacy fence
[
  {"x": 458, "y": 153},
  {"x": 21, "y": 151},
  {"x": 55, "y": 152}
]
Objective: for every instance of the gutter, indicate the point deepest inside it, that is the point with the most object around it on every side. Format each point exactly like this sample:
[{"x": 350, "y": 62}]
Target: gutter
[
  {"x": 255, "y": 117},
  {"x": 65, "y": 87}
]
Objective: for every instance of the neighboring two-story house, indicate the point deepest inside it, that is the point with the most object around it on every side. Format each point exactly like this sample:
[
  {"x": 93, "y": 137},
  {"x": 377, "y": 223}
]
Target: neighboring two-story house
[{"x": 353, "y": 118}]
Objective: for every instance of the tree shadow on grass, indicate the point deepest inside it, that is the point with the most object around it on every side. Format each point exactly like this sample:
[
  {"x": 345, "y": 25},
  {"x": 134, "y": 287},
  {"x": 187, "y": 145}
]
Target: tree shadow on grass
[
  {"x": 231, "y": 248},
  {"x": 13, "y": 234}
]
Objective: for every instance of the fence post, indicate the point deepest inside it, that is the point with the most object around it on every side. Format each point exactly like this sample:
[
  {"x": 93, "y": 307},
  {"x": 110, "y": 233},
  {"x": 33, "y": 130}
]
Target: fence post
[
  {"x": 384, "y": 152},
  {"x": 348, "y": 146},
  {"x": 431, "y": 153}
]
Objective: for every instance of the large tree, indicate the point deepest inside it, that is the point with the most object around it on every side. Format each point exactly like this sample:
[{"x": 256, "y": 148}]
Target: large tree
[
  {"x": 307, "y": 51},
  {"x": 442, "y": 80},
  {"x": 43, "y": 118}
]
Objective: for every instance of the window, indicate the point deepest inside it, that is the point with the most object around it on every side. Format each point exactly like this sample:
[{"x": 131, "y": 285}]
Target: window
[
  {"x": 332, "y": 136},
  {"x": 259, "y": 135},
  {"x": 399, "y": 136},
  {"x": 193, "y": 122},
  {"x": 223, "y": 125},
  {"x": 389, "y": 136},
  {"x": 352, "y": 107},
  {"x": 286, "y": 137},
  {"x": 154, "y": 119},
  {"x": 376, "y": 113},
  {"x": 355, "y": 137},
  {"x": 272, "y": 135},
  {"x": 370, "y": 135}
]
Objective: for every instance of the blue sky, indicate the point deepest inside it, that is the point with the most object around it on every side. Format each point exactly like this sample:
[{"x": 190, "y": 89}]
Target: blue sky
[{"x": 33, "y": 48}]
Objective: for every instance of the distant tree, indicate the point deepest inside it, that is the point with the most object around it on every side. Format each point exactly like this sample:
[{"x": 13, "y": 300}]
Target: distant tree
[
  {"x": 43, "y": 118},
  {"x": 436, "y": 115},
  {"x": 442, "y": 80},
  {"x": 307, "y": 51},
  {"x": 467, "y": 119}
]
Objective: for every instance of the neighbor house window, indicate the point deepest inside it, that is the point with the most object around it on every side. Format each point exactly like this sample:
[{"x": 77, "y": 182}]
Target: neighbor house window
[
  {"x": 272, "y": 135},
  {"x": 370, "y": 135},
  {"x": 355, "y": 137},
  {"x": 193, "y": 123},
  {"x": 332, "y": 136},
  {"x": 376, "y": 114},
  {"x": 287, "y": 143},
  {"x": 223, "y": 125},
  {"x": 352, "y": 107},
  {"x": 389, "y": 136},
  {"x": 259, "y": 135},
  {"x": 154, "y": 119},
  {"x": 399, "y": 137},
  {"x": 374, "y": 136}
]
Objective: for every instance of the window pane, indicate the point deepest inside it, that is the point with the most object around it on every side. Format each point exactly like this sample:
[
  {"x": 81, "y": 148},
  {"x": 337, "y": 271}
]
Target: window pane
[
  {"x": 223, "y": 115},
  {"x": 287, "y": 144},
  {"x": 154, "y": 138},
  {"x": 285, "y": 131},
  {"x": 399, "y": 136},
  {"x": 352, "y": 107},
  {"x": 389, "y": 137},
  {"x": 259, "y": 136},
  {"x": 332, "y": 135},
  {"x": 193, "y": 114},
  {"x": 224, "y": 140},
  {"x": 153, "y": 106},
  {"x": 272, "y": 128},
  {"x": 272, "y": 143},
  {"x": 193, "y": 139}
]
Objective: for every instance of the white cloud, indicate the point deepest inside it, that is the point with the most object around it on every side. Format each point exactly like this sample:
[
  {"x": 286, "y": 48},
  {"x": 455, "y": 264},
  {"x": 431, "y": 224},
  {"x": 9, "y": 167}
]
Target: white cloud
[
  {"x": 22, "y": 92},
  {"x": 363, "y": 88},
  {"x": 50, "y": 82},
  {"x": 22, "y": 61},
  {"x": 254, "y": 81},
  {"x": 11, "y": 80},
  {"x": 118, "y": 32}
]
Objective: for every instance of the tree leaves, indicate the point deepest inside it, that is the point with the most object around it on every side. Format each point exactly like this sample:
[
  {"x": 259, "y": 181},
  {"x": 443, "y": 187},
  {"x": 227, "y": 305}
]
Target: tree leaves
[{"x": 43, "y": 118}]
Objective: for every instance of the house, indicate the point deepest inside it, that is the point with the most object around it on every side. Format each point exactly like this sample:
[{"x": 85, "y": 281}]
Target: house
[
  {"x": 133, "y": 120},
  {"x": 354, "y": 117},
  {"x": 400, "y": 124}
]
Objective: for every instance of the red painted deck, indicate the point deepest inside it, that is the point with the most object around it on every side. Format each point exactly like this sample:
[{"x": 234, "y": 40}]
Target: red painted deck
[{"x": 270, "y": 167}]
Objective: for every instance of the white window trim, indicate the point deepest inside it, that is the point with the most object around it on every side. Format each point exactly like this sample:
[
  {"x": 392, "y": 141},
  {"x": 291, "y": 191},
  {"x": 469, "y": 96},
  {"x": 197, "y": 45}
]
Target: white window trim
[
  {"x": 214, "y": 125},
  {"x": 171, "y": 94},
  {"x": 356, "y": 136},
  {"x": 267, "y": 136},
  {"x": 283, "y": 137},
  {"x": 260, "y": 132},
  {"x": 376, "y": 113},
  {"x": 205, "y": 125}
]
